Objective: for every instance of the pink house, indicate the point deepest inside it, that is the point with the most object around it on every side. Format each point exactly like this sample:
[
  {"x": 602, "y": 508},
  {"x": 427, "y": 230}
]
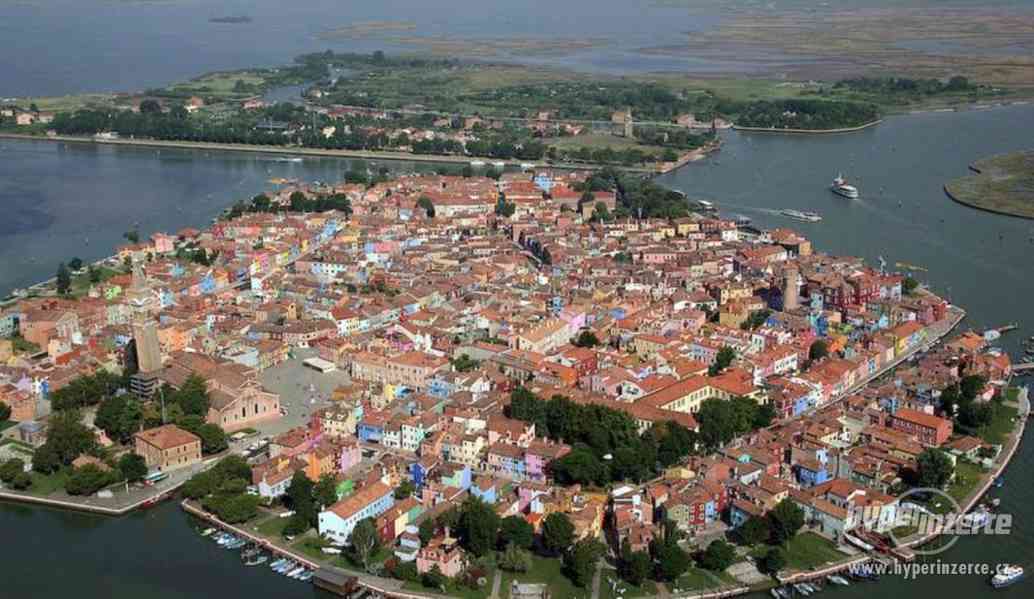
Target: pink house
[
  {"x": 163, "y": 244},
  {"x": 443, "y": 552},
  {"x": 351, "y": 455}
]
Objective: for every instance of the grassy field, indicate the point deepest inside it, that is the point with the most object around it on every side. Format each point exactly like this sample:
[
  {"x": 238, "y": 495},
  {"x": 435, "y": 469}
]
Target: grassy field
[
  {"x": 698, "y": 579},
  {"x": 548, "y": 571},
  {"x": 48, "y": 484},
  {"x": 1001, "y": 424},
  {"x": 808, "y": 550},
  {"x": 67, "y": 103},
  {"x": 967, "y": 475},
  {"x": 272, "y": 527},
  {"x": 221, "y": 84},
  {"x": 81, "y": 283},
  {"x": 1004, "y": 184}
]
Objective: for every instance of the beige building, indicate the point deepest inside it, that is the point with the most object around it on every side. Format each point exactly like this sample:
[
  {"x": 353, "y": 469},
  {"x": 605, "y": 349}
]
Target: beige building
[{"x": 168, "y": 447}]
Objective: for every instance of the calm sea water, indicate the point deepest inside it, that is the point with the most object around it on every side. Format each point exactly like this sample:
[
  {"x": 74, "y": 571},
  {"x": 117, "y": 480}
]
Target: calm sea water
[{"x": 55, "y": 196}]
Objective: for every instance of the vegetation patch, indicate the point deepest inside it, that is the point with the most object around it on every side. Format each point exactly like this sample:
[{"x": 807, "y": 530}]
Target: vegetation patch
[{"x": 1002, "y": 184}]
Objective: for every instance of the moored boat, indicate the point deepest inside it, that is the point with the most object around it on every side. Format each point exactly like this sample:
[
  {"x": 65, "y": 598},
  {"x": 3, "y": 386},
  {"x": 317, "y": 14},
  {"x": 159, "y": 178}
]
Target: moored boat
[
  {"x": 804, "y": 216},
  {"x": 837, "y": 579},
  {"x": 1007, "y": 574}
]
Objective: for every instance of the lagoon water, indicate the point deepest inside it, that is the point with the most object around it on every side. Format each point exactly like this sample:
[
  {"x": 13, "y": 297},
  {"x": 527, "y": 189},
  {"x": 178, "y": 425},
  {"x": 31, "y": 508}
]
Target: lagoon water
[{"x": 56, "y": 195}]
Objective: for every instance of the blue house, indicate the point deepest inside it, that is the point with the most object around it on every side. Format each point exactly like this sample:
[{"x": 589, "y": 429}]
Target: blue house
[
  {"x": 370, "y": 432},
  {"x": 485, "y": 490}
]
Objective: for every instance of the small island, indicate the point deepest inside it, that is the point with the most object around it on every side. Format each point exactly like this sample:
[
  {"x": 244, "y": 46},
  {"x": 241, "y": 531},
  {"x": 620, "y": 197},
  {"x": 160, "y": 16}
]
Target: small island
[
  {"x": 1002, "y": 184},
  {"x": 231, "y": 19}
]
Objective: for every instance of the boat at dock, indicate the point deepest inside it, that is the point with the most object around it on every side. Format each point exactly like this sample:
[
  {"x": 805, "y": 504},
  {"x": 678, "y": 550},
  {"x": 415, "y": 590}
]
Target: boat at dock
[
  {"x": 809, "y": 217},
  {"x": 841, "y": 188},
  {"x": 836, "y": 579},
  {"x": 1007, "y": 575}
]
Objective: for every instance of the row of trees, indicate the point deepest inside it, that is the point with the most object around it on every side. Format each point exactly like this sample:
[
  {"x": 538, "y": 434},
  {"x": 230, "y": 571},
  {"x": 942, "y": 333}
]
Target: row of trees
[
  {"x": 606, "y": 445},
  {"x": 222, "y": 490},
  {"x": 299, "y": 202},
  {"x": 805, "y": 114},
  {"x": 722, "y": 420}
]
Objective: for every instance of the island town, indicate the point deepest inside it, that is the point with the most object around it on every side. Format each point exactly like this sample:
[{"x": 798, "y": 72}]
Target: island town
[{"x": 535, "y": 384}]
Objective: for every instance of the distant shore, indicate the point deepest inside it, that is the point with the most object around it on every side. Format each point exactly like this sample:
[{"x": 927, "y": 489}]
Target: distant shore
[{"x": 808, "y": 131}]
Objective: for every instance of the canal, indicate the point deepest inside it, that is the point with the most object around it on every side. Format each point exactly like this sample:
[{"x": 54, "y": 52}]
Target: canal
[{"x": 57, "y": 195}]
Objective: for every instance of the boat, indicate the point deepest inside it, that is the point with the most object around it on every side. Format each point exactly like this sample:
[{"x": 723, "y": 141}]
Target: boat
[
  {"x": 841, "y": 188},
  {"x": 836, "y": 579},
  {"x": 206, "y": 532},
  {"x": 741, "y": 219},
  {"x": 775, "y": 593},
  {"x": 1006, "y": 575},
  {"x": 803, "y": 590},
  {"x": 705, "y": 205},
  {"x": 256, "y": 560},
  {"x": 809, "y": 217},
  {"x": 296, "y": 572},
  {"x": 477, "y": 163},
  {"x": 999, "y": 482},
  {"x": 307, "y": 575}
]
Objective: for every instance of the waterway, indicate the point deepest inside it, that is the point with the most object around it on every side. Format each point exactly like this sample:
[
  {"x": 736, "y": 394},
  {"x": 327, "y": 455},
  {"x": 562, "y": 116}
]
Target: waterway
[
  {"x": 980, "y": 260},
  {"x": 62, "y": 200}
]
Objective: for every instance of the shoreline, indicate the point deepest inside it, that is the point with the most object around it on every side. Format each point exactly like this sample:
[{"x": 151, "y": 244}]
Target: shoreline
[
  {"x": 318, "y": 152},
  {"x": 808, "y": 131},
  {"x": 987, "y": 209},
  {"x": 976, "y": 170}
]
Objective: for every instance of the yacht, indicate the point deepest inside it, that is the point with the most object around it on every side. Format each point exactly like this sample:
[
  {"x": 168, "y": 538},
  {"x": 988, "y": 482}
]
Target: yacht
[
  {"x": 810, "y": 217},
  {"x": 841, "y": 188},
  {"x": 1007, "y": 575}
]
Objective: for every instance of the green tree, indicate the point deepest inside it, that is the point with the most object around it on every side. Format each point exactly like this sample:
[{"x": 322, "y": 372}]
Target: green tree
[
  {"x": 478, "y": 526},
  {"x": 434, "y": 579},
  {"x": 119, "y": 416},
  {"x": 67, "y": 437},
  {"x": 722, "y": 360},
  {"x": 557, "y": 533},
  {"x": 580, "y": 561},
  {"x": 426, "y": 530},
  {"x": 515, "y": 530},
  {"x": 909, "y": 286},
  {"x": 237, "y": 508},
  {"x": 299, "y": 497},
  {"x": 464, "y": 363},
  {"x": 46, "y": 459},
  {"x": 64, "y": 279},
  {"x": 192, "y": 397},
  {"x": 404, "y": 490},
  {"x": 93, "y": 274},
  {"x": 784, "y": 521},
  {"x": 819, "y": 349},
  {"x": 933, "y": 469},
  {"x": 364, "y": 542},
  {"x": 87, "y": 480},
  {"x": 213, "y": 438},
  {"x": 718, "y": 556},
  {"x": 21, "y": 481},
  {"x": 774, "y": 561},
  {"x": 586, "y": 339},
  {"x": 754, "y": 531},
  {"x": 426, "y": 203},
  {"x": 10, "y": 469},
  {"x": 717, "y": 422},
  {"x": 637, "y": 567},
  {"x": 5, "y": 412},
  {"x": 75, "y": 263},
  {"x": 515, "y": 559},
  {"x": 132, "y": 236},
  {"x": 132, "y": 466},
  {"x": 580, "y": 466},
  {"x": 325, "y": 491}
]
